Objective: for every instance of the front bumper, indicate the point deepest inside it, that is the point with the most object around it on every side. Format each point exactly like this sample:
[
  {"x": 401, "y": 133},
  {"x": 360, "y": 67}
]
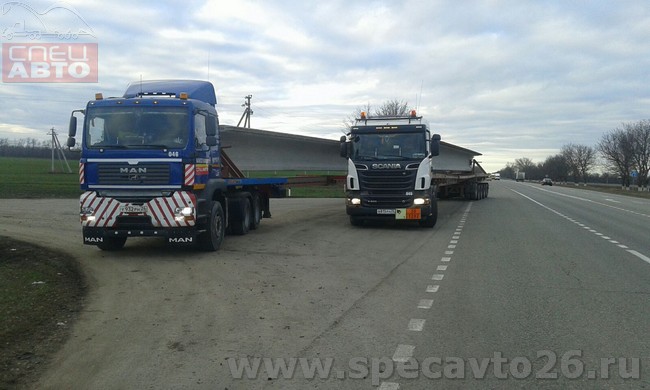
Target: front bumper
[{"x": 96, "y": 235}]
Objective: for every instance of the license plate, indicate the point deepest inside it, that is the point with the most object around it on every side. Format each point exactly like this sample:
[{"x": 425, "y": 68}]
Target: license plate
[
  {"x": 133, "y": 208},
  {"x": 385, "y": 211},
  {"x": 408, "y": 214}
]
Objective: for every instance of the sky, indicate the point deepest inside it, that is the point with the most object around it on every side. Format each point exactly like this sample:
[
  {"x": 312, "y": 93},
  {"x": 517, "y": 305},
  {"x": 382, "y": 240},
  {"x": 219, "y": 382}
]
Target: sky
[{"x": 508, "y": 79}]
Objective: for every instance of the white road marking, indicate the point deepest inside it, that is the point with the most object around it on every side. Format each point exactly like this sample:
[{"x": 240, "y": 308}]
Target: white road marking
[
  {"x": 437, "y": 277},
  {"x": 640, "y": 256},
  {"x": 451, "y": 246},
  {"x": 449, "y": 252},
  {"x": 425, "y": 303},
  {"x": 389, "y": 386},
  {"x": 635, "y": 253},
  {"x": 446, "y": 259},
  {"x": 441, "y": 268},
  {"x": 433, "y": 288},
  {"x": 590, "y": 201},
  {"x": 403, "y": 353},
  {"x": 612, "y": 200},
  {"x": 453, "y": 242},
  {"x": 416, "y": 325}
]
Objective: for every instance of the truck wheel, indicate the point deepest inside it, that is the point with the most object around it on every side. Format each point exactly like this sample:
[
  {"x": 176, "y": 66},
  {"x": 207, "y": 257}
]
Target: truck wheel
[
  {"x": 431, "y": 220},
  {"x": 112, "y": 243},
  {"x": 241, "y": 216},
  {"x": 256, "y": 211},
  {"x": 356, "y": 221},
  {"x": 211, "y": 239}
]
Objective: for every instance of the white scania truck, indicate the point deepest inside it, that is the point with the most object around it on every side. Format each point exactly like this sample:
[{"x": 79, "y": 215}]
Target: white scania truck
[{"x": 390, "y": 172}]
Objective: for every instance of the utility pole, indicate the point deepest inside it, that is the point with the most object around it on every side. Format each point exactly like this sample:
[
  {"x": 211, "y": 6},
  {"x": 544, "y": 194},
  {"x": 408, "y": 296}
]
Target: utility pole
[
  {"x": 246, "y": 116},
  {"x": 57, "y": 145}
]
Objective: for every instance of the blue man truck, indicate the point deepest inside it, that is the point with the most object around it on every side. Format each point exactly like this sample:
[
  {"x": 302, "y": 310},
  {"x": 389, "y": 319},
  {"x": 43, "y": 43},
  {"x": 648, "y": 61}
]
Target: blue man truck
[
  {"x": 152, "y": 166},
  {"x": 390, "y": 170}
]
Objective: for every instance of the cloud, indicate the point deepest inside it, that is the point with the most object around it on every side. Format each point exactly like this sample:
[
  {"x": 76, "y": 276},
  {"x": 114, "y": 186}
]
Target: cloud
[{"x": 501, "y": 77}]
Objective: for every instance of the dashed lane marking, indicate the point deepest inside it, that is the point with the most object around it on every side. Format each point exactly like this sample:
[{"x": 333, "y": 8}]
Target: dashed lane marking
[{"x": 597, "y": 234}]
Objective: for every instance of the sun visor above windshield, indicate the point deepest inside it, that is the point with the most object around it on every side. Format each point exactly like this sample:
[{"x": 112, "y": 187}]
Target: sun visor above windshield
[{"x": 196, "y": 89}]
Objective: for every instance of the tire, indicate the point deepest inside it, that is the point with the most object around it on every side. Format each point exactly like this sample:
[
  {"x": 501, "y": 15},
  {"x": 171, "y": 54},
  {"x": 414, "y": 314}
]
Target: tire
[
  {"x": 431, "y": 220},
  {"x": 240, "y": 218},
  {"x": 112, "y": 243},
  {"x": 472, "y": 191},
  {"x": 211, "y": 239},
  {"x": 256, "y": 209},
  {"x": 356, "y": 221}
]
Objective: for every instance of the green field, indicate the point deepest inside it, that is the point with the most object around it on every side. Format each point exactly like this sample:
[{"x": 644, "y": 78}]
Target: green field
[{"x": 31, "y": 178}]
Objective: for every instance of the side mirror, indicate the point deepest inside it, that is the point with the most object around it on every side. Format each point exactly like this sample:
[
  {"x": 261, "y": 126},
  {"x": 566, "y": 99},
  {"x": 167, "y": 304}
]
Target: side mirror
[
  {"x": 343, "y": 151},
  {"x": 211, "y": 140},
  {"x": 211, "y": 129},
  {"x": 71, "y": 142},
  {"x": 435, "y": 144},
  {"x": 72, "y": 127}
]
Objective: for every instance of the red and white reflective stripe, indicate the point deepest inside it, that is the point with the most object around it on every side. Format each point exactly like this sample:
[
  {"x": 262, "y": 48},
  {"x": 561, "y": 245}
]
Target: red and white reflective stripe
[
  {"x": 161, "y": 209},
  {"x": 190, "y": 173},
  {"x": 105, "y": 209},
  {"x": 82, "y": 176}
]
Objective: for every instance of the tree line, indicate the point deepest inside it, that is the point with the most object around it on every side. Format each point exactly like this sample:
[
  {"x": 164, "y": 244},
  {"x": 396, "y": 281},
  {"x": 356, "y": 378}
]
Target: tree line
[
  {"x": 623, "y": 152},
  {"x": 31, "y": 147}
]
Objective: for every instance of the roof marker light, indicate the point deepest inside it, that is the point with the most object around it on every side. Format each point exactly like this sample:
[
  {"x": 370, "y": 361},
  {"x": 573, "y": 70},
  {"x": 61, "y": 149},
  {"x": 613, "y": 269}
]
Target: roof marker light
[
  {"x": 183, "y": 95},
  {"x": 413, "y": 113},
  {"x": 363, "y": 115},
  {"x": 99, "y": 96}
]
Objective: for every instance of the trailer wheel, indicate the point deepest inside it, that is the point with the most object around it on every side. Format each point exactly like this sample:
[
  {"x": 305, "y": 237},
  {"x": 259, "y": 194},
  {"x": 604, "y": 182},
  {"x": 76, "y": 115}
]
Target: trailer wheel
[
  {"x": 241, "y": 216},
  {"x": 256, "y": 211},
  {"x": 211, "y": 239},
  {"x": 431, "y": 220},
  {"x": 112, "y": 243}
]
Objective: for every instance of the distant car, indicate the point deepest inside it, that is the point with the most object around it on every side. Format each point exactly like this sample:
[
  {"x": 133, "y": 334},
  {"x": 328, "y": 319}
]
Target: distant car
[{"x": 547, "y": 181}]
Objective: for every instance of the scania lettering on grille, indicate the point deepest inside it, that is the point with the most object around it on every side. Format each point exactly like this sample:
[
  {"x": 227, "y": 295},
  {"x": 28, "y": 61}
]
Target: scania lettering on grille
[{"x": 386, "y": 166}]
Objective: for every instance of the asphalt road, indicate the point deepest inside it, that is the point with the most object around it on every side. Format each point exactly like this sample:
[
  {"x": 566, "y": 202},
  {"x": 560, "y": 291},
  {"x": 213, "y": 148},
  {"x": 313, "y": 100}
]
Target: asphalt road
[{"x": 525, "y": 289}]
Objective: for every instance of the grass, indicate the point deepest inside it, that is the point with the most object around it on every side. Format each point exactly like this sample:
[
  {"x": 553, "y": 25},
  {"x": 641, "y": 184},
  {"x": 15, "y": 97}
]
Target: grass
[
  {"x": 330, "y": 191},
  {"x": 32, "y": 178},
  {"x": 617, "y": 190},
  {"x": 40, "y": 296}
]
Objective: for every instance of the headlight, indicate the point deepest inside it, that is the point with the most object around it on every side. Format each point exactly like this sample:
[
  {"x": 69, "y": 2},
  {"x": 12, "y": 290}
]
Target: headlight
[
  {"x": 421, "y": 201},
  {"x": 184, "y": 213},
  {"x": 355, "y": 201}
]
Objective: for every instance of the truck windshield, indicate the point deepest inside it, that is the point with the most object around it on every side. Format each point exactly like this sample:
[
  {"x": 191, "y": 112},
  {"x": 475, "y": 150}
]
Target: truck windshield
[
  {"x": 393, "y": 146},
  {"x": 137, "y": 127}
]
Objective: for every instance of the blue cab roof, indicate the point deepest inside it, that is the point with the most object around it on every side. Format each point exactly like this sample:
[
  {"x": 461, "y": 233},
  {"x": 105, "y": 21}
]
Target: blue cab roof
[{"x": 196, "y": 89}]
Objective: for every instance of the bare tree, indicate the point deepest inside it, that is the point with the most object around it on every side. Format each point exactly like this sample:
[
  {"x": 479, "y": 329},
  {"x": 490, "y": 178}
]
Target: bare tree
[
  {"x": 524, "y": 164},
  {"x": 617, "y": 148},
  {"x": 556, "y": 167},
  {"x": 394, "y": 107},
  {"x": 356, "y": 114},
  {"x": 641, "y": 150},
  {"x": 580, "y": 160}
]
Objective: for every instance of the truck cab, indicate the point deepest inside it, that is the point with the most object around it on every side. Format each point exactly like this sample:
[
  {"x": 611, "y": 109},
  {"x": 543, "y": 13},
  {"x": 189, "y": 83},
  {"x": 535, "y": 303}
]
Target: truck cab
[
  {"x": 390, "y": 169},
  {"x": 151, "y": 165}
]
